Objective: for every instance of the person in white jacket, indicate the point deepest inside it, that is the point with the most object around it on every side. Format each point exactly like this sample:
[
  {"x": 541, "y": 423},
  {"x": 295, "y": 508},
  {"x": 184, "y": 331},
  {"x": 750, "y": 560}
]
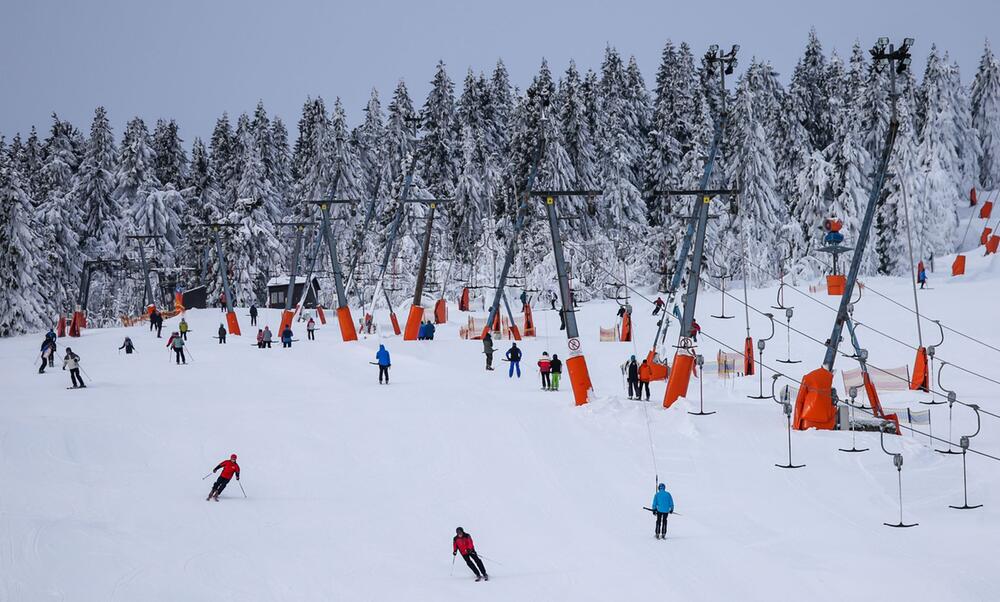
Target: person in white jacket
[{"x": 72, "y": 361}]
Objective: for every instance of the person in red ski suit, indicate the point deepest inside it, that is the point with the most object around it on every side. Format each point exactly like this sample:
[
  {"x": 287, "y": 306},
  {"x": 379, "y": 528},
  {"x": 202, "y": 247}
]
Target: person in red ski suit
[
  {"x": 695, "y": 329},
  {"x": 462, "y": 543},
  {"x": 229, "y": 469}
]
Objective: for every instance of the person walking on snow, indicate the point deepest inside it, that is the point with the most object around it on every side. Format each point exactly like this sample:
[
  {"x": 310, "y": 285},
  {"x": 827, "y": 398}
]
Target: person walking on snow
[
  {"x": 514, "y": 357},
  {"x": 183, "y": 327},
  {"x": 463, "y": 544},
  {"x": 51, "y": 337},
  {"x": 921, "y": 275},
  {"x": 229, "y": 469},
  {"x": 662, "y": 506},
  {"x": 632, "y": 376},
  {"x": 488, "y": 350},
  {"x": 72, "y": 361},
  {"x": 556, "y": 368},
  {"x": 47, "y": 351},
  {"x": 286, "y": 337},
  {"x": 382, "y": 357},
  {"x": 222, "y": 334},
  {"x": 545, "y": 367},
  {"x": 127, "y": 346},
  {"x": 176, "y": 342},
  {"x": 267, "y": 337},
  {"x": 253, "y": 314},
  {"x": 311, "y": 329},
  {"x": 645, "y": 375},
  {"x": 260, "y": 339}
]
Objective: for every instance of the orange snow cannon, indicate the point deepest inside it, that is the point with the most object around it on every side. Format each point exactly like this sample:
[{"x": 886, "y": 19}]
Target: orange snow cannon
[
  {"x": 347, "y": 328},
  {"x": 413, "y": 321}
]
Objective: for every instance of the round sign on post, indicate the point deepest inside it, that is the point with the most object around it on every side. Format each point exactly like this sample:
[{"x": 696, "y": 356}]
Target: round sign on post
[{"x": 574, "y": 345}]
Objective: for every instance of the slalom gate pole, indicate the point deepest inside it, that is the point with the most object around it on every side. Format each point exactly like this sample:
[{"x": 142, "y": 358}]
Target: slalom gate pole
[{"x": 241, "y": 488}]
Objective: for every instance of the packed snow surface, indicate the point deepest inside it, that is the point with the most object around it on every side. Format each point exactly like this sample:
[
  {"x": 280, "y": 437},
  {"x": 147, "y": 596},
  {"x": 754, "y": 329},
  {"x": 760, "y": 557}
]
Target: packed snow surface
[{"x": 354, "y": 489}]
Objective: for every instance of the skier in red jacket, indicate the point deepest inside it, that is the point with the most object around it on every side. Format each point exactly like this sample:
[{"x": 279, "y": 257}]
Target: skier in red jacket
[
  {"x": 463, "y": 544},
  {"x": 229, "y": 468}
]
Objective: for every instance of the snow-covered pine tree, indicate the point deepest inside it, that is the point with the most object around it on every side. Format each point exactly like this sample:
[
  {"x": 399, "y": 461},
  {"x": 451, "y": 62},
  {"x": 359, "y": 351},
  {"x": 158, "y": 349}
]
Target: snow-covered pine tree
[
  {"x": 498, "y": 111},
  {"x": 281, "y": 161},
  {"x": 810, "y": 93},
  {"x": 967, "y": 147},
  {"x": 222, "y": 154},
  {"x": 438, "y": 161},
  {"x": 369, "y": 136},
  {"x": 169, "y": 158},
  {"x": 575, "y": 128},
  {"x": 986, "y": 117},
  {"x": 24, "y": 292},
  {"x": 94, "y": 190},
  {"x": 468, "y": 209}
]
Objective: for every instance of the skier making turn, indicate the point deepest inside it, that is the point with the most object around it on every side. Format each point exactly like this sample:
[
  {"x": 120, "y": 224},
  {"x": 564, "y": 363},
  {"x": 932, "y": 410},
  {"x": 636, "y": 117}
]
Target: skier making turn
[
  {"x": 462, "y": 543},
  {"x": 229, "y": 468}
]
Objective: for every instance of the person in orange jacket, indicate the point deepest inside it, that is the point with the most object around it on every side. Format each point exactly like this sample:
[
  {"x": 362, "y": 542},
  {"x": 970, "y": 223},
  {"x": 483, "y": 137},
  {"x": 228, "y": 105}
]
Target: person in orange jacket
[{"x": 645, "y": 375}]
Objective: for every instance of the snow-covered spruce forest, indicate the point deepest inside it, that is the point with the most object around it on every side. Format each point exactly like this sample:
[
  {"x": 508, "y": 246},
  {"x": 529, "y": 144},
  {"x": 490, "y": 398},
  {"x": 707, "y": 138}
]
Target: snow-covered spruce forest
[{"x": 799, "y": 152}]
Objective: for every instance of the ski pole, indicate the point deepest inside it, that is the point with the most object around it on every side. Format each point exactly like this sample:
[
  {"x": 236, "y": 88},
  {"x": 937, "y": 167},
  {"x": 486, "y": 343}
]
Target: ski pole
[
  {"x": 208, "y": 475},
  {"x": 452, "y": 571},
  {"x": 241, "y": 488},
  {"x": 490, "y": 559}
]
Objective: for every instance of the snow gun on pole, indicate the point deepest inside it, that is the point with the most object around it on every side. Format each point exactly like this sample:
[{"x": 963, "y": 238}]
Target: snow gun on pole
[
  {"x": 814, "y": 405},
  {"x": 684, "y": 357}
]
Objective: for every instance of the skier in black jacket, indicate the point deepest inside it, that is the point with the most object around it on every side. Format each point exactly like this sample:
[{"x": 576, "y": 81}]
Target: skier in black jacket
[
  {"x": 632, "y": 375},
  {"x": 514, "y": 357}
]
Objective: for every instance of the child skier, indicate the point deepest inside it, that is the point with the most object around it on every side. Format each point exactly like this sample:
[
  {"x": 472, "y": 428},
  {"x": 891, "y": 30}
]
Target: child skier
[
  {"x": 382, "y": 357},
  {"x": 545, "y": 367},
  {"x": 176, "y": 342},
  {"x": 222, "y": 334},
  {"x": 488, "y": 350},
  {"x": 127, "y": 346},
  {"x": 229, "y": 469},
  {"x": 514, "y": 357},
  {"x": 72, "y": 361},
  {"x": 462, "y": 543},
  {"x": 662, "y": 506},
  {"x": 556, "y": 369},
  {"x": 311, "y": 329},
  {"x": 260, "y": 339},
  {"x": 286, "y": 337},
  {"x": 183, "y": 327},
  {"x": 267, "y": 337}
]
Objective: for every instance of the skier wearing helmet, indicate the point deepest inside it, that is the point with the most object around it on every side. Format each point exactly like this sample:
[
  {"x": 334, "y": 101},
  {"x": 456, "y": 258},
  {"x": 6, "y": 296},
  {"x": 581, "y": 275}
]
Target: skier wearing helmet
[
  {"x": 229, "y": 468},
  {"x": 462, "y": 543}
]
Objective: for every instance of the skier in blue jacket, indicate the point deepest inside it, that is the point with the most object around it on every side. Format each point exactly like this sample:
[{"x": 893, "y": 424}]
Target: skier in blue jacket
[
  {"x": 663, "y": 505},
  {"x": 382, "y": 355}
]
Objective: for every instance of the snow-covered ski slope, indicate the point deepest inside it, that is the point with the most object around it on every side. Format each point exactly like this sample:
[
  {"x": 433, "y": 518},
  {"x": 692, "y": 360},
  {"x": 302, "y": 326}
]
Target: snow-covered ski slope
[{"x": 355, "y": 489}]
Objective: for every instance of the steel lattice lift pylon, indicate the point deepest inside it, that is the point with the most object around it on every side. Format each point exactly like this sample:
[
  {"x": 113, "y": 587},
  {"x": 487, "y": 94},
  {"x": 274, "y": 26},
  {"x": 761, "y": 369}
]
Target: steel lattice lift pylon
[{"x": 814, "y": 407}]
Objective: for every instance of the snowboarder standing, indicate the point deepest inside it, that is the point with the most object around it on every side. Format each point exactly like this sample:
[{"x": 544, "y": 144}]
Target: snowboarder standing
[
  {"x": 127, "y": 346},
  {"x": 311, "y": 329},
  {"x": 183, "y": 327},
  {"x": 514, "y": 357},
  {"x": 545, "y": 367},
  {"x": 463, "y": 544},
  {"x": 382, "y": 357},
  {"x": 632, "y": 376},
  {"x": 662, "y": 506},
  {"x": 222, "y": 334},
  {"x": 176, "y": 342},
  {"x": 72, "y": 361},
  {"x": 229, "y": 469},
  {"x": 286, "y": 337},
  {"x": 253, "y": 314},
  {"x": 488, "y": 350},
  {"x": 556, "y": 369}
]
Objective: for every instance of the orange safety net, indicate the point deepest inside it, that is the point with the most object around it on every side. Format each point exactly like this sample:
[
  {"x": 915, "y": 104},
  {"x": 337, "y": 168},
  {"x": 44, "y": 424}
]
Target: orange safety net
[
  {"x": 748, "y": 365},
  {"x": 579, "y": 378},
  {"x": 463, "y": 301},
  {"x": 919, "y": 381},
  {"x": 814, "y": 406},
  {"x": 347, "y": 329},
  {"x": 835, "y": 284},
  {"x": 233, "y": 323},
  {"x": 680, "y": 376},
  {"x": 413, "y": 321},
  {"x": 440, "y": 311},
  {"x": 958, "y": 266},
  {"x": 986, "y": 210}
]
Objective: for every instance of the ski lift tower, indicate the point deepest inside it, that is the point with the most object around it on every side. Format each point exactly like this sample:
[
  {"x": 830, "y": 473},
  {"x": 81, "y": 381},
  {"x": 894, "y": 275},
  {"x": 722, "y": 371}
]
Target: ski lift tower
[
  {"x": 416, "y": 315},
  {"x": 288, "y": 314},
  {"x": 147, "y": 295},
  {"x": 79, "y": 319},
  {"x": 684, "y": 358},
  {"x": 814, "y": 405},
  {"x": 347, "y": 328},
  {"x": 232, "y": 323}
]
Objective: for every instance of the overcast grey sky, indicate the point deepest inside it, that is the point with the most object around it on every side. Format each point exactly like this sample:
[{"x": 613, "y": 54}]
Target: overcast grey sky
[{"x": 193, "y": 59}]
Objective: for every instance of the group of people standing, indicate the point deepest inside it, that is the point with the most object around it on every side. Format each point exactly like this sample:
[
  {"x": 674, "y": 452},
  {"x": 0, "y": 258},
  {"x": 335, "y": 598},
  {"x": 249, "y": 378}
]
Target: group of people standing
[{"x": 549, "y": 367}]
